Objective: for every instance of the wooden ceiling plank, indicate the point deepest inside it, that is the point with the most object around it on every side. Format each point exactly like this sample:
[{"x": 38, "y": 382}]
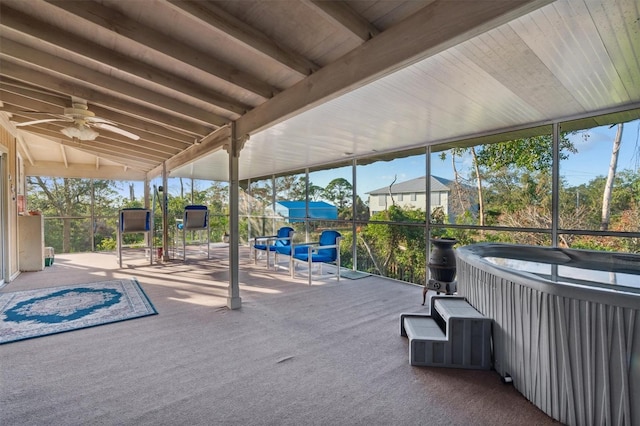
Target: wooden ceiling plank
[
  {"x": 47, "y": 81},
  {"x": 230, "y": 26},
  {"x": 132, "y": 162},
  {"x": 19, "y": 115},
  {"x": 429, "y": 31},
  {"x": 149, "y": 139},
  {"x": 44, "y": 32},
  {"x": 16, "y": 104},
  {"x": 35, "y": 100},
  {"x": 115, "y": 140},
  {"x": 345, "y": 17},
  {"x": 124, "y": 26},
  {"x": 146, "y": 130},
  {"x": 25, "y": 149},
  {"x": 91, "y": 77},
  {"x": 29, "y": 101},
  {"x": 87, "y": 171},
  {"x": 110, "y": 146}
]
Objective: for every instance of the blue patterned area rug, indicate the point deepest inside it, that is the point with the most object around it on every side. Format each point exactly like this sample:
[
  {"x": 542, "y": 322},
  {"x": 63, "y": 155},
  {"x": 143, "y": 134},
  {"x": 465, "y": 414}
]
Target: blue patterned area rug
[{"x": 35, "y": 313}]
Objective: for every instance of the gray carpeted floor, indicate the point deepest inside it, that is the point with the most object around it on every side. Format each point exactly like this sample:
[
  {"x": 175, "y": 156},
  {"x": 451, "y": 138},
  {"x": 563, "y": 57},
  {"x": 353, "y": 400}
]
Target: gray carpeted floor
[{"x": 329, "y": 354}]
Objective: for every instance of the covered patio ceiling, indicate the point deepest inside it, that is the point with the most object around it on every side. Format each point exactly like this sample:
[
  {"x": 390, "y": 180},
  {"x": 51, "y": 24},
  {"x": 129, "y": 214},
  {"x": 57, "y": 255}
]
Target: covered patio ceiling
[{"x": 307, "y": 82}]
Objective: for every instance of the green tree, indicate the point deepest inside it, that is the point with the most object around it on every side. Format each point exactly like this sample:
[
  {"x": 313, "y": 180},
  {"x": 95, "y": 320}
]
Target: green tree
[
  {"x": 339, "y": 192},
  {"x": 290, "y": 188},
  {"x": 396, "y": 251},
  {"x": 527, "y": 156},
  {"x": 68, "y": 199},
  {"x": 315, "y": 192},
  {"x": 625, "y": 195}
]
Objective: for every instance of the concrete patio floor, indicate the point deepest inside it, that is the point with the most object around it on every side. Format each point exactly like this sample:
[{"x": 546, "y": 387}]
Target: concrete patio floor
[{"x": 329, "y": 354}]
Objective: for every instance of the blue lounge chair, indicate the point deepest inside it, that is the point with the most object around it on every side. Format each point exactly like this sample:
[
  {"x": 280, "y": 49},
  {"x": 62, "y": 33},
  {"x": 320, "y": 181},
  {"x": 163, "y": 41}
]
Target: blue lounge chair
[{"x": 270, "y": 243}]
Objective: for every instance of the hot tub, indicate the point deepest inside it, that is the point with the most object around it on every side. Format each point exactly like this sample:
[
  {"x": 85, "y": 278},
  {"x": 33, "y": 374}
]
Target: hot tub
[{"x": 566, "y": 326}]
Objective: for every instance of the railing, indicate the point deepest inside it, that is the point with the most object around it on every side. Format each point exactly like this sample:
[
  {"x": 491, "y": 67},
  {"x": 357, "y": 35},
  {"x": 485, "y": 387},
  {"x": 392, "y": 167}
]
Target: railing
[{"x": 77, "y": 234}]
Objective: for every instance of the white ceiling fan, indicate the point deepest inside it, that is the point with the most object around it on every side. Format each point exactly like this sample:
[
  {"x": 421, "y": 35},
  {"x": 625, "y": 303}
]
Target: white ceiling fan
[{"x": 83, "y": 121}]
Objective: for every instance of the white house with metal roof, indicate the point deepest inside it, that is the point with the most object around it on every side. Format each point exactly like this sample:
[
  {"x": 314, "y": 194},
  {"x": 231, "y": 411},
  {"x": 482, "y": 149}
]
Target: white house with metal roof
[{"x": 412, "y": 194}]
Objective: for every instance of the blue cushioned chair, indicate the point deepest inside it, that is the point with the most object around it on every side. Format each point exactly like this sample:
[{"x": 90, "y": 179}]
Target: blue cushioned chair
[
  {"x": 286, "y": 251},
  {"x": 327, "y": 250},
  {"x": 271, "y": 243}
]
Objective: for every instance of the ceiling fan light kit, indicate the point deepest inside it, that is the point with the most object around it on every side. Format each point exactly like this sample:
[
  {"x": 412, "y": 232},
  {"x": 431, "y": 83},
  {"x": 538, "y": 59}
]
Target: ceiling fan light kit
[{"x": 82, "y": 132}]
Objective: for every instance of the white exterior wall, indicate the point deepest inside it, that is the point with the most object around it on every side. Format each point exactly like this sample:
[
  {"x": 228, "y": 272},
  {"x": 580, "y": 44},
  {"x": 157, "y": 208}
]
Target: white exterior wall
[{"x": 377, "y": 205}]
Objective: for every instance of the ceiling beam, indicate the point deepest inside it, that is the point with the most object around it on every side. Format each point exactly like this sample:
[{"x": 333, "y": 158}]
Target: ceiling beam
[
  {"x": 16, "y": 97},
  {"x": 25, "y": 149},
  {"x": 431, "y": 30},
  {"x": 64, "y": 156},
  {"x": 106, "y": 150},
  {"x": 124, "y": 26},
  {"x": 113, "y": 139},
  {"x": 151, "y": 140},
  {"x": 79, "y": 74},
  {"x": 230, "y": 26},
  {"x": 113, "y": 142},
  {"x": 31, "y": 109},
  {"x": 47, "y": 81},
  {"x": 35, "y": 100},
  {"x": 135, "y": 165},
  {"x": 46, "y": 33},
  {"x": 345, "y": 17},
  {"x": 86, "y": 171}
]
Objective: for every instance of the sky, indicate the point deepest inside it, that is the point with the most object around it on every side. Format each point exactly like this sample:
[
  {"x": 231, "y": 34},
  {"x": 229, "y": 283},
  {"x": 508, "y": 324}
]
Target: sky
[
  {"x": 592, "y": 160},
  {"x": 594, "y": 153}
]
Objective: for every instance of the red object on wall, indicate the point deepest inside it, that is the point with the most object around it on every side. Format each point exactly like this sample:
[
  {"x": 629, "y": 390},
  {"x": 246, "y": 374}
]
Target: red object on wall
[{"x": 21, "y": 204}]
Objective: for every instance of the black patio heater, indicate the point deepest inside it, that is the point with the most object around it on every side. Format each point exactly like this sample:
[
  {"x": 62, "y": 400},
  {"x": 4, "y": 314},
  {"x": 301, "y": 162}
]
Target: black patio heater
[{"x": 442, "y": 267}]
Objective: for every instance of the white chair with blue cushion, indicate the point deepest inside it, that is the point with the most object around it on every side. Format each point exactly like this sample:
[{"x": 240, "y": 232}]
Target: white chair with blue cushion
[
  {"x": 135, "y": 221},
  {"x": 327, "y": 250},
  {"x": 271, "y": 243},
  {"x": 196, "y": 220}
]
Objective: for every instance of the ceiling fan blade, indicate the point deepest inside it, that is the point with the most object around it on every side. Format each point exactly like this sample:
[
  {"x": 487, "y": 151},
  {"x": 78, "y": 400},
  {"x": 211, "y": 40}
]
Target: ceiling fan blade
[
  {"x": 44, "y": 120},
  {"x": 52, "y": 114},
  {"x": 117, "y": 130},
  {"x": 94, "y": 120}
]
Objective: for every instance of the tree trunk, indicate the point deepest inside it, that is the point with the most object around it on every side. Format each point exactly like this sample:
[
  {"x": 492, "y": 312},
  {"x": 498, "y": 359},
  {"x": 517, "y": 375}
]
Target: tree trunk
[
  {"x": 479, "y": 179},
  {"x": 371, "y": 256},
  {"x": 67, "y": 210},
  {"x": 458, "y": 185},
  {"x": 393, "y": 202},
  {"x": 608, "y": 187},
  {"x": 66, "y": 235}
]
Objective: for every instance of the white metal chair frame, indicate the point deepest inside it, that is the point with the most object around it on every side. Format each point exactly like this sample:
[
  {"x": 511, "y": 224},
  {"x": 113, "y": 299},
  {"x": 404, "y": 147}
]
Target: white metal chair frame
[
  {"x": 269, "y": 243},
  {"x": 135, "y": 221},
  {"x": 312, "y": 248},
  {"x": 195, "y": 218},
  {"x": 266, "y": 240}
]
